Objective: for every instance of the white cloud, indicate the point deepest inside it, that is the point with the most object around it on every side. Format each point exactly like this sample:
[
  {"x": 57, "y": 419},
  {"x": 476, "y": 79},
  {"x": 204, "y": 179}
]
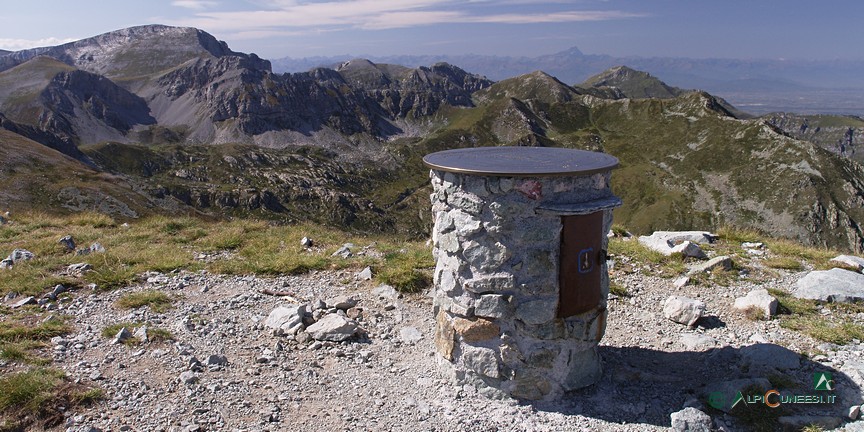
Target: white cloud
[
  {"x": 281, "y": 15},
  {"x": 194, "y": 4},
  {"x": 21, "y": 44}
]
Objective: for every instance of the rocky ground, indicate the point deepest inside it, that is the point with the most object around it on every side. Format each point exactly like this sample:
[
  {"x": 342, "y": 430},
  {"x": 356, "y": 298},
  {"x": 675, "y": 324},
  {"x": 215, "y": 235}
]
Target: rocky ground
[{"x": 225, "y": 370}]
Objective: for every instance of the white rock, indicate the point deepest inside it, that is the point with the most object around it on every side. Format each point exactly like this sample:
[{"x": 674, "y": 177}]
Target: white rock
[
  {"x": 286, "y": 319},
  {"x": 681, "y": 282},
  {"x": 697, "y": 342},
  {"x": 752, "y": 245},
  {"x": 854, "y": 412},
  {"x": 665, "y": 241},
  {"x": 366, "y": 274},
  {"x": 720, "y": 261},
  {"x": 386, "y": 292},
  {"x": 691, "y": 420},
  {"x": 306, "y": 242},
  {"x": 760, "y": 299},
  {"x": 683, "y": 310},
  {"x": 332, "y": 327},
  {"x": 689, "y": 249},
  {"x": 141, "y": 334},
  {"x": 341, "y": 302},
  {"x": 850, "y": 261},
  {"x": 769, "y": 356},
  {"x": 410, "y": 335},
  {"x": 21, "y": 255},
  {"x": 121, "y": 336},
  {"x": 24, "y": 301},
  {"x": 835, "y": 285}
]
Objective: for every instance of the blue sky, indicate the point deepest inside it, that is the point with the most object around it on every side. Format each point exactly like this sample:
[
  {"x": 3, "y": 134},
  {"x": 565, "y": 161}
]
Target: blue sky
[{"x": 792, "y": 29}]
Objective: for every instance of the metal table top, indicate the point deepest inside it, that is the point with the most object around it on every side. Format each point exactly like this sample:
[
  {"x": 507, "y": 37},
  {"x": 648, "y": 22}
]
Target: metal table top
[{"x": 521, "y": 161}]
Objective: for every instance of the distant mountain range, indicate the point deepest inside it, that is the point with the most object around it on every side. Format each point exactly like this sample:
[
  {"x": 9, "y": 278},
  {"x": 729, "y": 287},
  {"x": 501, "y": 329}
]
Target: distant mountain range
[
  {"x": 755, "y": 85},
  {"x": 158, "y": 119}
]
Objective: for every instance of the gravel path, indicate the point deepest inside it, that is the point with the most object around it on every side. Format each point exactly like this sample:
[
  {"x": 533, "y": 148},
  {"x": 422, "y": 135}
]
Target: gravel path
[{"x": 387, "y": 379}]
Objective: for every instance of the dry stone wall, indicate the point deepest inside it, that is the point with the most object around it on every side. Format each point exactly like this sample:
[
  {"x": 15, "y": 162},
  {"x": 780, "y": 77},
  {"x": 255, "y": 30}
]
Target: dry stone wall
[{"x": 496, "y": 244}]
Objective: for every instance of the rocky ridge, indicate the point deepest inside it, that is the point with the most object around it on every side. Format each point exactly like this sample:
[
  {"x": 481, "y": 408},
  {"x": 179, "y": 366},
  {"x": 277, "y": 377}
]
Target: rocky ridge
[{"x": 147, "y": 104}]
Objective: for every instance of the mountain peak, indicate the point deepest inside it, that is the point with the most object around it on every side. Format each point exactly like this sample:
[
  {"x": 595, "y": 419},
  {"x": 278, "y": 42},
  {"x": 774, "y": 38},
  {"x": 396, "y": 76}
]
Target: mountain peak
[
  {"x": 134, "y": 51},
  {"x": 572, "y": 52},
  {"x": 632, "y": 83}
]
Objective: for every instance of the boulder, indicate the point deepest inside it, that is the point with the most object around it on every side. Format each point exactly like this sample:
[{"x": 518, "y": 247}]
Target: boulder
[
  {"x": 835, "y": 285},
  {"x": 683, "y": 310},
  {"x": 217, "y": 360},
  {"x": 768, "y": 356},
  {"x": 759, "y": 299},
  {"x": 68, "y": 243},
  {"x": 344, "y": 251},
  {"x": 691, "y": 420},
  {"x": 341, "y": 302},
  {"x": 689, "y": 249},
  {"x": 721, "y": 261},
  {"x": 366, "y": 274},
  {"x": 385, "y": 292},
  {"x": 20, "y": 255},
  {"x": 24, "y": 301},
  {"x": 665, "y": 241},
  {"x": 6, "y": 264},
  {"x": 332, "y": 327},
  {"x": 121, "y": 336},
  {"x": 852, "y": 261},
  {"x": 410, "y": 335},
  {"x": 306, "y": 242},
  {"x": 697, "y": 342},
  {"x": 78, "y": 268},
  {"x": 141, "y": 334},
  {"x": 286, "y": 319}
]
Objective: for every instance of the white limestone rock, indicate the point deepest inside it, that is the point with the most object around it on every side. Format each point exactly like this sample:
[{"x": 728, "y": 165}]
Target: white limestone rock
[
  {"x": 683, "y": 310},
  {"x": 759, "y": 299}
]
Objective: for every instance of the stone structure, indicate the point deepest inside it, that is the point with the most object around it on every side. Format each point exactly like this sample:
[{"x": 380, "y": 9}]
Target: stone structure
[{"x": 504, "y": 322}]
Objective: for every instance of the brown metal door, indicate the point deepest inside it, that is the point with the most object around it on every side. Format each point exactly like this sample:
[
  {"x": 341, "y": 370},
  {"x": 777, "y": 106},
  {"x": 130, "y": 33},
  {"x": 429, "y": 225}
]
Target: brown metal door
[{"x": 581, "y": 257}]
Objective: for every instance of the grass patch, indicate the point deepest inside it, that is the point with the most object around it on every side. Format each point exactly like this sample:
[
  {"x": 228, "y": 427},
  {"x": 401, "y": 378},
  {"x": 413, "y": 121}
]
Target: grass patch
[
  {"x": 739, "y": 235},
  {"x": 666, "y": 266},
  {"x": 754, "y": 313},
  {"x": 810, "y": 254},
  {"x": 824, "y": 330},
  {"x": 786, "y": 263},
  {"x": 28, "y": 391},
  {"x": 16, "y": 331},
  {"x": 157, "y": 300},
  {"x": 23, "y": 352},
  {"x": 789, "y": 305},
  {"x": 803, "y": 316},
  {"x": 407, "y": 270},
  {"x": 618, "y": 289},
  {"x": 716, "y": 276},
  {"x": 40, "y": 396}
]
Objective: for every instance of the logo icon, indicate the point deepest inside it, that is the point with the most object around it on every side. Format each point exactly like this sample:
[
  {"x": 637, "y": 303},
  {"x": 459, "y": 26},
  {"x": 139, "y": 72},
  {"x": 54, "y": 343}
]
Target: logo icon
[
  {"x": 823, "y": 381},
  {"x": 717, "y": 400},
  {"x": 739, "y": 398}
]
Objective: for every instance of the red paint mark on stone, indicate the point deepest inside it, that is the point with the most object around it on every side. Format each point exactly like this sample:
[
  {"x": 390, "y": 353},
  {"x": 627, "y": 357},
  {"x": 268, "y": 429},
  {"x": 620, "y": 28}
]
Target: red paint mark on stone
[{"x": 531, "y": 189}]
